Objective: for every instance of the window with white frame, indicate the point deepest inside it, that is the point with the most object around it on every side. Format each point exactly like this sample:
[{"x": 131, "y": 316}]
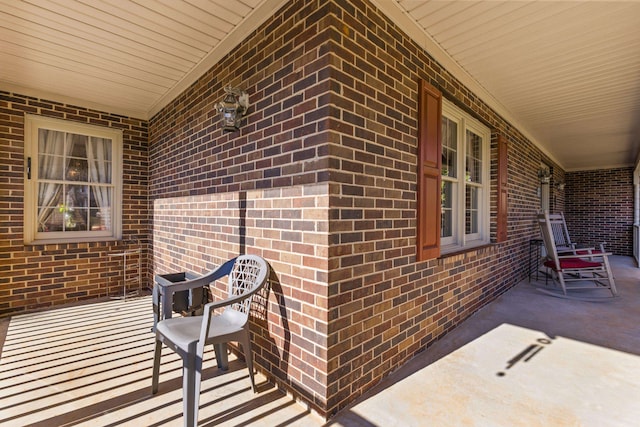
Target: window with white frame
[
  {"x": 73, "y": 185},
  {"x": 465, "y": 180}
]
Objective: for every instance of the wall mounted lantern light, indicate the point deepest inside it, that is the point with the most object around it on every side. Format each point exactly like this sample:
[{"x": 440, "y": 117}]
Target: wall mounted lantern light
[
  {"x": 560, "y": 186},
  {"x": 544, "y": 175},
  {"x": 233, "y": 108}
]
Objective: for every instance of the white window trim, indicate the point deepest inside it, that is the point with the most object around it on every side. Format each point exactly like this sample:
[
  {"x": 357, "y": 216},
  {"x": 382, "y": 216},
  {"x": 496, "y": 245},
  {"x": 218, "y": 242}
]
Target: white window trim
[
  {"x": 460, "y": 240},
  {"x": 31, "y": 235}
]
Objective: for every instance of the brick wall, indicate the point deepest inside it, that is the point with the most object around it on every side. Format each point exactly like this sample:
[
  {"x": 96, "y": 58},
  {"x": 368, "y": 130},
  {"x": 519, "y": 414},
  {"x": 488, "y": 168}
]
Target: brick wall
[
  {"x": 599, "y": 208},
  {"x": 333, "y": 88},
  {"x": 320, "y": 181},
  {"x": 386, "y": 306},
  {"x": 38, "y": 276},
  {"x": 262, "y": 190},
  {"x": 288, "y": 227}
]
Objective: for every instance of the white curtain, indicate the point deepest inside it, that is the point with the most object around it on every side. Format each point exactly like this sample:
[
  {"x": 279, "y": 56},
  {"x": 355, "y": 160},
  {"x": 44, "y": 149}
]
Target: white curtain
[
  {"x": 99, "y": 158},
  {"x": 52, "y": 154}
]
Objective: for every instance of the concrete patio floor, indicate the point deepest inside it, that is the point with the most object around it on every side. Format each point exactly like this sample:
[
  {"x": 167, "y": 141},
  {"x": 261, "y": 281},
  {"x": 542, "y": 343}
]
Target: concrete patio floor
[{"x": 527, "y": 359}]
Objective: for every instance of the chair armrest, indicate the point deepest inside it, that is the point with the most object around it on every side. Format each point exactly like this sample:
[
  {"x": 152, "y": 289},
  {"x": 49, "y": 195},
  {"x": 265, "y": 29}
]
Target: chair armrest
[
  {"x": 210, "y": 307},
  {"x": 192, "y": 281},
  {"x": 572, "y": 253},
  {"x": 164, "y": 278},
  {"x": 600, "y": 246},
  {"x": 587, "y": 255},
  {"x": 163, "y": 293},
  {"x": 208, "y": 312}
]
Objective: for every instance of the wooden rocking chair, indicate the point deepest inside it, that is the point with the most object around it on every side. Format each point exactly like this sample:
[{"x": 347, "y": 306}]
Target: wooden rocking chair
[
  {"x": 575, "y": 269},
  {"x": 561, "y": 236}
]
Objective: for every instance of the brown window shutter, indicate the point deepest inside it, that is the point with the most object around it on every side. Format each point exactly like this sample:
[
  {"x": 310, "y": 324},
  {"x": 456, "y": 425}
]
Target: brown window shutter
[
  {"x": 501, "y": 229},
  {"x": 429, "y": 165}
]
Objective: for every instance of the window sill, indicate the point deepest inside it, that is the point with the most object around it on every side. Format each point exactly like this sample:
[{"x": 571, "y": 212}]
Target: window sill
[
  {"x": 43, "y": 242},
  {"x": 461, "y": 251}
]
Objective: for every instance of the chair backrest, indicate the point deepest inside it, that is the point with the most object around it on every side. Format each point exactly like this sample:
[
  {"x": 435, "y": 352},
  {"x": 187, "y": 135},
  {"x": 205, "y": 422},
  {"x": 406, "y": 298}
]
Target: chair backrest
[
  {"x": 546, "y": 230},
  {"x": 248, "y": 275},
  {"x": 559, "y": 231}
]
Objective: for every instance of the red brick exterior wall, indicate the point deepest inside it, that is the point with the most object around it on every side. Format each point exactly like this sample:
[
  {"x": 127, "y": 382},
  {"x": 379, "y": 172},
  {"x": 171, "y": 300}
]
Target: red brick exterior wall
[
  {"x": 38, "y": 276},
  {"x": 599, "y": 208},
  {"x": 333, "y": 90},
  {"x": 288, "y": 227},
  {"x": 321, "y": 181},
  {"x": 385, "y": 306}
]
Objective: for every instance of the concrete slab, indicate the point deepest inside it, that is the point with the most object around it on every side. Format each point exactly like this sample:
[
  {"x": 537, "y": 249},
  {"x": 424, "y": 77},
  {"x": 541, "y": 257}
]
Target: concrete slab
[
  {"x": 511, "y": 376},
  {"x": 486, "y": 372}
]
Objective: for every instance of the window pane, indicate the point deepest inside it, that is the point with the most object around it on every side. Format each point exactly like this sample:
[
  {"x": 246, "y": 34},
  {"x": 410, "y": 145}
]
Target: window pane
[
  {"x": 77, "y": 220},
  {"x": 473, "y": 158},
  {"x": 446, "y": 225},
  {"x": 74, "y": 193},
  {"x": 75, "y": 207},
  {"x": 77, "y": 170},
  {"x": 471, "y": 212},
  {"x": 51, "y": 154},
  {"x": 97, "y": 221},
  {"x": 50, "y": 198},
  {"x": 100, "y": 160},
  {"x": 100, "y": 207},
  {"x": 77, "y": 196},
  {"x": 449, "y": 147},
  {"x": 78, "y": 145},
  {"x": 76, "y": 163},
  {"x": 77, "y": 160}
]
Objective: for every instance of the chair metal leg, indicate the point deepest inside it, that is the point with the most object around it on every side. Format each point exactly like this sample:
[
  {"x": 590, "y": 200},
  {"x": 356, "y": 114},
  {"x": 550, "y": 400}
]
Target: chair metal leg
[{"x": 156, "y": 367}]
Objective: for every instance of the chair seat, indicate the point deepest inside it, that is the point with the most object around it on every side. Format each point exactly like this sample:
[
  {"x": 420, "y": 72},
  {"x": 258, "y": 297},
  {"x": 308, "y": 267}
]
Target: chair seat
[
  {"x": 587, "y": 252},
  {"x": 183, "y": 331},
  {"x": 572, "y": 263}
]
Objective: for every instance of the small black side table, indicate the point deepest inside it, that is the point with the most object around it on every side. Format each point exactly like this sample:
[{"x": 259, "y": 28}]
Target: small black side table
[{"x": 535, "y": 246}]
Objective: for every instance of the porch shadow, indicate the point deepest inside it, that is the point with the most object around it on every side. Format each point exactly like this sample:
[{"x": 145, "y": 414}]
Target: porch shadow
[{"x": 91, "y": 365}]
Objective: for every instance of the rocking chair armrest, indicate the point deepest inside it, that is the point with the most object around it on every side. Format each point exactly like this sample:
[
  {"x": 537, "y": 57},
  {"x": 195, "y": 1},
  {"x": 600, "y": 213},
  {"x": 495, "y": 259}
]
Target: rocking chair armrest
[
  {"x": 593, "y": 252},
  {"x": 566, "y": 255},
  {"x": 574, "y": 253},
  {"x": 576, "y": 246}
]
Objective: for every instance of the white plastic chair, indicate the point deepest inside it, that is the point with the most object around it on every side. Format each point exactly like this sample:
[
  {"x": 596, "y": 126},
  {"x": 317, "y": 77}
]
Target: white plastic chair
[{"x": 188, "y": 336}]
